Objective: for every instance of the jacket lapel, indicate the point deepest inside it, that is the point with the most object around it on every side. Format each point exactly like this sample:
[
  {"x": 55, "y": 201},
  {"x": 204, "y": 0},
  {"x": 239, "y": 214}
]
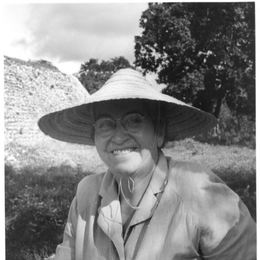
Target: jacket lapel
[
  {"x": 109, "y": 218},
  {"x": 151, "y": 197}
]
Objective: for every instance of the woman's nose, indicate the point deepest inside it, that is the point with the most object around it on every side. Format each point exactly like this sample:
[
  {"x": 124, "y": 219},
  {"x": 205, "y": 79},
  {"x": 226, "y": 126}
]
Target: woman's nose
[{"x": 119, "y": 134}]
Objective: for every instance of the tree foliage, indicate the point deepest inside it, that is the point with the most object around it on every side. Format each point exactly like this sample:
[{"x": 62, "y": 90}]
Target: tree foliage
[
  {"x": 204, "y": 52},
  {"x": 93, "y": 73}
]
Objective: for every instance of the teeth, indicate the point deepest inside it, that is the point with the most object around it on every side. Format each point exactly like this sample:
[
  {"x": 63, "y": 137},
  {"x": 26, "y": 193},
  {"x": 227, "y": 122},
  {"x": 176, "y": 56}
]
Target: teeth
[{"x": 122, "y": 151}]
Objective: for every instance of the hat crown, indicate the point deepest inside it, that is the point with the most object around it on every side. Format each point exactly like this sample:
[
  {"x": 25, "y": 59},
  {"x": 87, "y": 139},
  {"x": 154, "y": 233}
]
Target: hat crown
[
  {"x": 75, "y": 124},
  {"x": 128, "y": 76}
]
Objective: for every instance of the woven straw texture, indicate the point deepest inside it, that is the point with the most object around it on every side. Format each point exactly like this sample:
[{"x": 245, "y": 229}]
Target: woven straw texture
[{"x": 75, "y": 124}]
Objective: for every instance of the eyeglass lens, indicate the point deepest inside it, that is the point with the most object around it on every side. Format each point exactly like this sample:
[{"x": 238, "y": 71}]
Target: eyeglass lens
[{"x": 131, "y": 122}]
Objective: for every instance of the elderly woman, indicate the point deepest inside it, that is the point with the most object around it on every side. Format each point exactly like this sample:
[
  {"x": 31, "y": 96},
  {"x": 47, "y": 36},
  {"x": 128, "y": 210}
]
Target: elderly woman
[{"x": 146, "y": 205}]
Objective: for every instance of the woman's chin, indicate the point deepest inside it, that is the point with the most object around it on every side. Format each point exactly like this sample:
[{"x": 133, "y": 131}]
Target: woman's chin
[
  {"x": 128, "y": 164},
  {"x": 127, "y": 169}
]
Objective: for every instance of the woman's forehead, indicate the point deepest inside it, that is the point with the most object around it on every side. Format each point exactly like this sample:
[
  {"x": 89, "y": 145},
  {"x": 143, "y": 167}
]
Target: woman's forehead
[{"x": 119, "y": 107}]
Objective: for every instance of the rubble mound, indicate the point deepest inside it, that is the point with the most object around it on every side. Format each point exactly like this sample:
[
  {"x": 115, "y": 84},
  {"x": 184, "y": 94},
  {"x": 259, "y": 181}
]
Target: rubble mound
[{"x": 32, "y": 89}]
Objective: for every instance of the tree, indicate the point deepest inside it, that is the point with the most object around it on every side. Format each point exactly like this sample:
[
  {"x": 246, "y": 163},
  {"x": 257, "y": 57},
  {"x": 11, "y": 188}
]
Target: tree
[
  {"x": 93, "y": 74},
  {"x": 204, "y": 52}
]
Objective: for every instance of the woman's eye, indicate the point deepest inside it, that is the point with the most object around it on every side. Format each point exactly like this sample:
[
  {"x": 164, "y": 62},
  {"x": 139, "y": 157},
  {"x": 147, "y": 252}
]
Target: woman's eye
[
  {"x": 137, "y": 119},
  {"x": 134, "y": 121},
  {"x": 104, "y": 124}
]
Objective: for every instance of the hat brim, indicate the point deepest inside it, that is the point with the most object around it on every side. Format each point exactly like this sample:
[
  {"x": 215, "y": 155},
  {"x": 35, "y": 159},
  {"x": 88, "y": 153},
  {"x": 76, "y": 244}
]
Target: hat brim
[{"x": 75, "y": 124}]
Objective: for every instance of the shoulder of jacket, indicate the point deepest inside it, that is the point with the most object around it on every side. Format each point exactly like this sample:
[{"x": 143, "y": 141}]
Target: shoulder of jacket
[
  {"x": 184, "y": 171},
  {"x": 212, "y": 204},
  {"x": 193, "y": 180},
  {"x": 200, "y": 188},
  {"x": 185, "y": 165},
  {"x": 187, "y": 178},
  {"x": 89, "y": 185}
]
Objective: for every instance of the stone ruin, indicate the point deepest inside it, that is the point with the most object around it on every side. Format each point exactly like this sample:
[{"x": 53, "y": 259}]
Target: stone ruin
[{"x": 32, "y": 89}]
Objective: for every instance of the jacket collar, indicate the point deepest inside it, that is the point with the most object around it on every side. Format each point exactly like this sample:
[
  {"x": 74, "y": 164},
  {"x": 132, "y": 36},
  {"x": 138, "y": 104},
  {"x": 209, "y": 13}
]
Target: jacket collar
[
  {"x": 151, "y": 196},
  {"x": 108, "y": 187},
  {"x": 109, "y": 218}
]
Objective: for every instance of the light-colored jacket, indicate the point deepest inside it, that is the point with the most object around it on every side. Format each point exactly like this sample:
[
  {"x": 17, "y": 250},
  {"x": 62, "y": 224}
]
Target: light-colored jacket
[{"x": 187, "y": 212}]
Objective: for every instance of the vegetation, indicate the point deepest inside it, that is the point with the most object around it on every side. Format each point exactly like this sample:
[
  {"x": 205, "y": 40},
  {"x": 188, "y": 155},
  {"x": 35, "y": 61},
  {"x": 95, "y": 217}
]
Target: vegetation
[
  {"x": 34, "y": 63},
  {"x": 37, "y": 204},
  {"x": 36, "y": 211},
  {"x": 93, "y": 74},
  {"x": 205, "y": 54}
]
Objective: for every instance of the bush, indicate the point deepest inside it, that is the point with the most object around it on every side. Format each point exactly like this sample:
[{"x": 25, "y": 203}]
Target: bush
[
  {"x": 232, "y": 131},
  {"x": 36, "y": 211}
]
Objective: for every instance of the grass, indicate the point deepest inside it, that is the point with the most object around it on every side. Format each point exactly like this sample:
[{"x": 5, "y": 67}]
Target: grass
[
  {"x": 36, "y": 211},
  {"x": 38, "y": 197}
]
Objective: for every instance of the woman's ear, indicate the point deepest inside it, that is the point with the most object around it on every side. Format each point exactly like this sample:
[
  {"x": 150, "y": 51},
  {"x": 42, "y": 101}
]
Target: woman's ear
[{"x": 161, "y": 135}]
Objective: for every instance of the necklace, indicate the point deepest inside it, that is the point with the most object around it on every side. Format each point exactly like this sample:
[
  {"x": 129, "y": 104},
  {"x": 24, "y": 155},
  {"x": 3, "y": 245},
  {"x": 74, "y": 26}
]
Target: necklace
[{"x": 131, "y": 189}]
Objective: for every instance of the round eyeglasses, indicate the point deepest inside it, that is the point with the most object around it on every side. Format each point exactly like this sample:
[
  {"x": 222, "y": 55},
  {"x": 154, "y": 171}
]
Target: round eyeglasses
[{"x": 132, "y": 123}]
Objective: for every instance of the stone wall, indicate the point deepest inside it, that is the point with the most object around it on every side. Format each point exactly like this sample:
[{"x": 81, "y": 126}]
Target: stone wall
[{"x": 33, "y": 89}]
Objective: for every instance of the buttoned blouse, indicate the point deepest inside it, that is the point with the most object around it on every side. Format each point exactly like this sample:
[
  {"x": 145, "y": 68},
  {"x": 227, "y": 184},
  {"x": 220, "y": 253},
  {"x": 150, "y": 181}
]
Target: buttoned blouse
[{"x": 186, "y": 212}]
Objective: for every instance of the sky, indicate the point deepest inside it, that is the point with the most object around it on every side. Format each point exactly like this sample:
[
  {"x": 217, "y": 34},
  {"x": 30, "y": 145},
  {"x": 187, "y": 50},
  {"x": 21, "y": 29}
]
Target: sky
[{"x": 70, "y": 34}]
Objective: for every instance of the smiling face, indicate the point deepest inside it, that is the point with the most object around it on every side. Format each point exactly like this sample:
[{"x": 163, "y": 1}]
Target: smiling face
[{"x": 127, "y": 153}]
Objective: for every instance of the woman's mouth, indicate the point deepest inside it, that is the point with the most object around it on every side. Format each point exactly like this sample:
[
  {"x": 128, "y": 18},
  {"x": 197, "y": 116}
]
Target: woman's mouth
[{"x": 123, "y": 151}]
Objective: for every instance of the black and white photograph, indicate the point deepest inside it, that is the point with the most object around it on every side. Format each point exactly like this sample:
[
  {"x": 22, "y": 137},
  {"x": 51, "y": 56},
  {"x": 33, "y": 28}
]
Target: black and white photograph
[{"x": 129, "y": 130}]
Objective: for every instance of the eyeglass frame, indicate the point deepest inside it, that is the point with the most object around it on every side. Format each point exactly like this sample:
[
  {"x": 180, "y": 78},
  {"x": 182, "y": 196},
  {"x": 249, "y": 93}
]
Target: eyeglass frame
[{"x": 115, "y": 123}]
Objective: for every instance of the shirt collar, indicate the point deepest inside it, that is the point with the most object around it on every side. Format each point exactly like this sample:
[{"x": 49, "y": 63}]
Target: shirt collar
[{"x": 108, "y": 188}]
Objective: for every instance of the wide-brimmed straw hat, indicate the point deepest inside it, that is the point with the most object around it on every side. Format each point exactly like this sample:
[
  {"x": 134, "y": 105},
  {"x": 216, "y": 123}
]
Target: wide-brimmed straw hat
[{"x": 75, "y": 124}]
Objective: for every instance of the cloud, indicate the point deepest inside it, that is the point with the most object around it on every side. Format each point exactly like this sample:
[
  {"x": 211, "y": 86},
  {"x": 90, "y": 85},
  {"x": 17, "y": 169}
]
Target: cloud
[{"x": 77, "y": 32}]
